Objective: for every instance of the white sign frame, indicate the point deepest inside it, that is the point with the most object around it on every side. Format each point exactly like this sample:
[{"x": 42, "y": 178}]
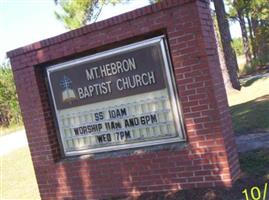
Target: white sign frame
[{"x": 170, "y": 81}]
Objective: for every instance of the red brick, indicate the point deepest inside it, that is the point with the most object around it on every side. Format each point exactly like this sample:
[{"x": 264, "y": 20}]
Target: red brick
[{"x": 209, "y": 158}]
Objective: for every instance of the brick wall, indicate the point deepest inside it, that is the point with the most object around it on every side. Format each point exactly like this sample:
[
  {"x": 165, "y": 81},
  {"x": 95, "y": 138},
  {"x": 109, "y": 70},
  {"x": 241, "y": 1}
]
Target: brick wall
[{"x": 208, "y": 158}]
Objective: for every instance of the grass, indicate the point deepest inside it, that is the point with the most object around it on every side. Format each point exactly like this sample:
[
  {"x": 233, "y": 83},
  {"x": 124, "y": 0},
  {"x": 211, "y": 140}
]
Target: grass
[
  {"x": 255, "y": 163},
  {"x": 18, "y": 177},
  {"x": 252, "y": 116},
  {"x": 251, "y": 89},
  {"x": 250, "y": 106}
]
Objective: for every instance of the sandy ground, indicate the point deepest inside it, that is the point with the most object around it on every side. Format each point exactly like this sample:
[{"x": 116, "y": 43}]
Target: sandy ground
[{"x": 13, "y": 141}]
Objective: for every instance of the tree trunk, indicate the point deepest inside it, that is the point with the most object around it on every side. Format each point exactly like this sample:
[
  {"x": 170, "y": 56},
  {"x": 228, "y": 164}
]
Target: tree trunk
[
  {"x": 244, "y": 36},
  {"x": 229, "y": 54},
  {"x": 251, "y": 37},
  {"x": 254, "y": 24},
  {"x": 224, "y": 70}
]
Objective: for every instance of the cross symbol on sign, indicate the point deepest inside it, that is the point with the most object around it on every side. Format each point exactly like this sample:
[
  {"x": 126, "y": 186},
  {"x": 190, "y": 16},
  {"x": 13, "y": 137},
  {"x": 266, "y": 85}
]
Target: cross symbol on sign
[{"x": 65, "y": 83}]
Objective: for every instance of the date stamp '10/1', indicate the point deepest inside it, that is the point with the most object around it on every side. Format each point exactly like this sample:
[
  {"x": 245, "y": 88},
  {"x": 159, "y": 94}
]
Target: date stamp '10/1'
[{"x": 255, "y": 193}]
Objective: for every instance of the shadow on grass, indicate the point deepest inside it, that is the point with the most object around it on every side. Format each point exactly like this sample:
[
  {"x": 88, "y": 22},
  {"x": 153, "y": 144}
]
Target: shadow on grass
[
  {"x": 251, "y": 81},
  {"x": 255, "y": 163},
  {"x": 252, "y": 116}
]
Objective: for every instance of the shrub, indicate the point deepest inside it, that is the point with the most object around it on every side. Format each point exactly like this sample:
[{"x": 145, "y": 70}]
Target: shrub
[
  {"x": 237, "y": 45},
  {"x": 9, "y": 107}
]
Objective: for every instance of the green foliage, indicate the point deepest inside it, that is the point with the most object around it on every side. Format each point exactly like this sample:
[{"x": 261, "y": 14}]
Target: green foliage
[
  {"x": 235, "y": 6},
  {"x": 237, "y": 45},
  {"x": 260, "y": 12},
  {"x": 76, "y": 13},
  {"x": 262, "y": 42},
  {"x": 259, "y": 9},
  {"x": 9, "y": 107},
  {"x": 256, "y": 13}
]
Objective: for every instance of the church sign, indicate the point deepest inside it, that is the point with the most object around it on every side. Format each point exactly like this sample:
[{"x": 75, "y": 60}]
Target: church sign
[{"x": 117, "y": 99}]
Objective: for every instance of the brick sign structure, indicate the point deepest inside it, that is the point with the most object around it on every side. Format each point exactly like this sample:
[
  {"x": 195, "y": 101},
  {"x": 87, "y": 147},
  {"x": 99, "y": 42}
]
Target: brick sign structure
[{"x": 132, "y": 104}]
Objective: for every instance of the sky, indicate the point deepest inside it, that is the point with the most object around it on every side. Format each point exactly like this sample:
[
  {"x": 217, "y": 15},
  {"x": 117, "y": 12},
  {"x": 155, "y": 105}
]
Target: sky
[{"x": 23, "y": 22}]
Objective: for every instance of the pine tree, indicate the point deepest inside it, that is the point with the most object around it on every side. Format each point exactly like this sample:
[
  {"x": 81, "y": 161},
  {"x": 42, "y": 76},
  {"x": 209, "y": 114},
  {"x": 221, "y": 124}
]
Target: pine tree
[{"x": 229, "y": 54}]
